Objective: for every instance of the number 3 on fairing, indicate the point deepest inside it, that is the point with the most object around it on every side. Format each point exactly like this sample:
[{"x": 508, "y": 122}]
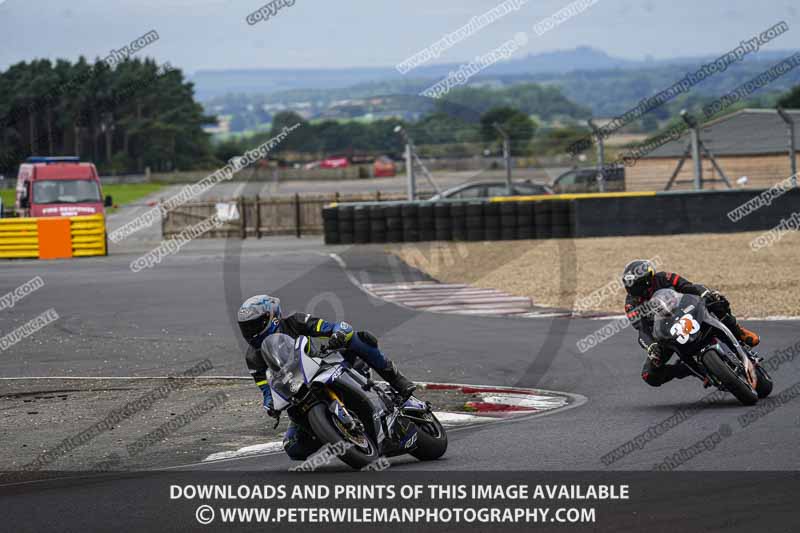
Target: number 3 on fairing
[{"x": 684, "y": 328}]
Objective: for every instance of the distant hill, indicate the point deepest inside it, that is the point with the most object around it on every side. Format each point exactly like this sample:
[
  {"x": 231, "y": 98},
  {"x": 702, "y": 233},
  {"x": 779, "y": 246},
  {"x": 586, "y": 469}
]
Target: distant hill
[
  {"x": 573, "y": 84},
  {"x": 211, "y": 83}
]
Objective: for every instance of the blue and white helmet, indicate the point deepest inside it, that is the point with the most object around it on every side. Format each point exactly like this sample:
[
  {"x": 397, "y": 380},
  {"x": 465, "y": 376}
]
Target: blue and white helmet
[{"x": 258, "y": 317}]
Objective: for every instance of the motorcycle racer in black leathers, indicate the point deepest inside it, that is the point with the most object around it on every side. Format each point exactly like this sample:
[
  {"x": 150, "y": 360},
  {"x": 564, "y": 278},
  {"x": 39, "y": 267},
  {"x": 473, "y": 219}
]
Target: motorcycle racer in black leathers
[
  {"x": 260, "y": 316},
  {"x": 641, "y": 281}
]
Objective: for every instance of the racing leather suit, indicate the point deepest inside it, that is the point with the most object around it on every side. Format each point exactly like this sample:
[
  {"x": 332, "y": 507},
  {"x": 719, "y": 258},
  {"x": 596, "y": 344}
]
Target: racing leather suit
[{"x": 298, "y": 443}]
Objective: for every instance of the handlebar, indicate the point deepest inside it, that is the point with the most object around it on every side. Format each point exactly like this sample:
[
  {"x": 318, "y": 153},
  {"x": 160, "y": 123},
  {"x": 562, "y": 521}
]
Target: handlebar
[{"x": 325, "y": 351}]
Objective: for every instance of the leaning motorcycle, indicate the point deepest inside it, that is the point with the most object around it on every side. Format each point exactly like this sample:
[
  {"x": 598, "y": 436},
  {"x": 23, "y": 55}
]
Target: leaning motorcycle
[
  {"x": 684, "y": 324},
  {"x": 340, "y": 404}
]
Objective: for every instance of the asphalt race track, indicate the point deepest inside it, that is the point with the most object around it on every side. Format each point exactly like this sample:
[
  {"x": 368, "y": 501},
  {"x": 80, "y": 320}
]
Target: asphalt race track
[{"x": 163, "y": 320}]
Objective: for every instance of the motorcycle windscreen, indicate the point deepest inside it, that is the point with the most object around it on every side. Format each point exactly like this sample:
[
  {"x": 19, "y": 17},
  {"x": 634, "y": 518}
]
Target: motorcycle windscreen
[
  {"x": 676, "y": 317},
  {"x": 277, "y": 350},
  {"x": 283, "y": 359}
]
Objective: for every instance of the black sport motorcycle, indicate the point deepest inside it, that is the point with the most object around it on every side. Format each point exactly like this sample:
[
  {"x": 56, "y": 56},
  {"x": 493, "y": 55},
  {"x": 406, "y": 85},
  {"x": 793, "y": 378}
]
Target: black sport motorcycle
[
  {"x": 342, "y": 406},
  {"x": 684, "y": 324}
]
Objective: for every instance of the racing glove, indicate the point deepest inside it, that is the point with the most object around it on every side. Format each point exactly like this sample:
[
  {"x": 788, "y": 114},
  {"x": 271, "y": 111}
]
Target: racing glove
[
  {"x": 340, "y": 338},
  {"x": 268, "y": 401},
  {"x": 710, "y": 296},
  {"x": 654, "y": 353}
]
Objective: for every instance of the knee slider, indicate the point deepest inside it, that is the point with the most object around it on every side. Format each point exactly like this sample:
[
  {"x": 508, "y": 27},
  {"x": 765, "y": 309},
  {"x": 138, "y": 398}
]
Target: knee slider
[
  {"x": 295, "y": 451},
  {"x": 293, "y": 446},
  {"x": 650, "y": 379}
]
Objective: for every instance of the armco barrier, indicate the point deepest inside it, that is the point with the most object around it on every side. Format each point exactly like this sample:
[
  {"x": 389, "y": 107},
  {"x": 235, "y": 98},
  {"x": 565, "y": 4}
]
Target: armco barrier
[
  {"x": 52, "y": 237},
  {"x": 552, "y": 216}
]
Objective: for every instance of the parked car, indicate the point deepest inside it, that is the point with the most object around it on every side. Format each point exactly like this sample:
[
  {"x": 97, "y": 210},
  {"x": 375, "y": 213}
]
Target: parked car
[
  {"x": 486, "y": 189},
  {"x": 383, "y": 167},
  {"x": 335, "y": 162},
  {"x": 59, "y": 186},
  {"x": 585, "y": 180}
]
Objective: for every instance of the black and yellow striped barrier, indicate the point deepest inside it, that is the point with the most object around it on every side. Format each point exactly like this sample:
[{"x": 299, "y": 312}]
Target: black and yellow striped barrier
[{"x": 52, "y": 237}]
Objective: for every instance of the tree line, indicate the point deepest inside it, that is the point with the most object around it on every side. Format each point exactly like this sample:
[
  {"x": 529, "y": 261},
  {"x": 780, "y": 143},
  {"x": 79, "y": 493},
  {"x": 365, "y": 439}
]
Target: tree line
[
  {"x": 124, "y": 119},
  {"x": 441, "y": 133}
]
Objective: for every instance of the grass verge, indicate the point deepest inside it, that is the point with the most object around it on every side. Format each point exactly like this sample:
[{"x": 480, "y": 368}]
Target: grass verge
[{"x": 126, "y": 193}]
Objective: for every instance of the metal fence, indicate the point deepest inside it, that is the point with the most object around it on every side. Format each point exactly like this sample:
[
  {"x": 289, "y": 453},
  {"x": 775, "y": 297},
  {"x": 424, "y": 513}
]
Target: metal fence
[{"x": 263, "y": 216}]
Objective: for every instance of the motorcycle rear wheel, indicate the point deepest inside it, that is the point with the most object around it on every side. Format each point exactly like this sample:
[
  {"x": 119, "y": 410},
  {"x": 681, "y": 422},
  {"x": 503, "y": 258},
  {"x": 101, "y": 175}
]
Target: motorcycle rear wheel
[
  {"x": 733, "y": 384},
  {"x": 326, "y": 430}
]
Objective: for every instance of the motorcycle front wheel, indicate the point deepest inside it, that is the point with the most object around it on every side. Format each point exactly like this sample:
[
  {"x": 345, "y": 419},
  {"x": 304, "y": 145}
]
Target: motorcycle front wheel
[
  {"x": 431, "y": 439},
  {"x": 764, "y": 386},
  {"x": 360, "y": 448},
  {"x": 733, "y": 383}
]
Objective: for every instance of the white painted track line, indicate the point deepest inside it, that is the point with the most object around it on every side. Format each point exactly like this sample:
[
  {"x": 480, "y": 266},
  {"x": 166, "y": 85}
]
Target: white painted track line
[{"x": 451, "y": 298}]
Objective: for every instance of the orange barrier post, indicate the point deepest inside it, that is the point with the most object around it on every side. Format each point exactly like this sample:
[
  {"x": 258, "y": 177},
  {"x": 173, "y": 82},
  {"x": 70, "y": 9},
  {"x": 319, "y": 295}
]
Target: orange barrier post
[{"x": 55, "y": 238}]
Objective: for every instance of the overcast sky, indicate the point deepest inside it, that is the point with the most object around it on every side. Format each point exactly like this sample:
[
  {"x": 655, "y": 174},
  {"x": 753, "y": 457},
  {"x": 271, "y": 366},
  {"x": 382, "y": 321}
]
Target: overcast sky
[{"x": 213, "y": 34}]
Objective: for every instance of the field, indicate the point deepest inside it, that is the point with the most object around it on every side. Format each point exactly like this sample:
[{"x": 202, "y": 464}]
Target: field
[
  {"x": 127, "y": 193},
  {"x": 8, "y": 196}
]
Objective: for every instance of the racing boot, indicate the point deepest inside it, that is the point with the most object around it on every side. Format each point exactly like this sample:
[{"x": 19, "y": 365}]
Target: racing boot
[
  {"x": 404, "y": 386},
  {"x": 747, "y": 337}
]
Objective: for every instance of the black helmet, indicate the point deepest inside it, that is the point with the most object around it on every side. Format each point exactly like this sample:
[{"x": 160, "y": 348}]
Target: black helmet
[
  {"x": 258, "y": 317},
  {"x": 638, "y": 277}
]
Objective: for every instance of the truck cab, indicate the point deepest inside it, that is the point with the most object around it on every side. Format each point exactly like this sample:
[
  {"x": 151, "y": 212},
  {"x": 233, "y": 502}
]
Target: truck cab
[{"x": 59, "y": 187}]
